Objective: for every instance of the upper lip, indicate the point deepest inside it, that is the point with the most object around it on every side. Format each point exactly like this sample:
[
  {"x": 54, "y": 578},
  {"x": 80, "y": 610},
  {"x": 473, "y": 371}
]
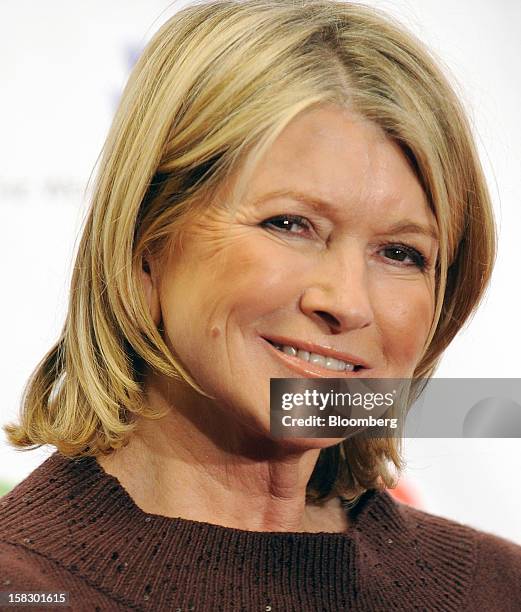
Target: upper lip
[{"x": 320, "y": 349}]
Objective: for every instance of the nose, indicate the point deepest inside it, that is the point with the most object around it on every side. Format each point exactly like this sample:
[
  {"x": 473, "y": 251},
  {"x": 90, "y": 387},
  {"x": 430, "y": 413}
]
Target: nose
[{"x": 337, "y": 296}]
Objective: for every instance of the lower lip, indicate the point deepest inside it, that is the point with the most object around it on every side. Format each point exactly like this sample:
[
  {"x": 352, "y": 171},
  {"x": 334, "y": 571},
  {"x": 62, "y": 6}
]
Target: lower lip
[{"x": 311, "y": 369}]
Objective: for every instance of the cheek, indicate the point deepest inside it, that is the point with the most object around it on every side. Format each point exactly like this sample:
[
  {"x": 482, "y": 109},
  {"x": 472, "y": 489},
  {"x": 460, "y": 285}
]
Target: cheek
[
  {"x": 255, "y": 279},
  {"x": 404, "y": 319},
  {"x": 243, "y": 280}
]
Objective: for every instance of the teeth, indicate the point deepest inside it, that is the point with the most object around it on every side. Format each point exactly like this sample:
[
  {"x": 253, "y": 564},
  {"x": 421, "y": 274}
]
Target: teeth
[
  {"x": 318, "y": 359},
  {"x": 325, "y": 362},
  {"x": 337, "y": 365}
]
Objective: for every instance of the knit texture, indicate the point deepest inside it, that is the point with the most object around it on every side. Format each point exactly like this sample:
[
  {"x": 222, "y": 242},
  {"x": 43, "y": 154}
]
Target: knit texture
[{"x": 71, "y": 527}]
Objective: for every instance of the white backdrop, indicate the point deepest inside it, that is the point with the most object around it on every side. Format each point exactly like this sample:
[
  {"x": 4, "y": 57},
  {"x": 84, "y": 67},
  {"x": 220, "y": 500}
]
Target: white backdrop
[{"x": 63, "y": 65}]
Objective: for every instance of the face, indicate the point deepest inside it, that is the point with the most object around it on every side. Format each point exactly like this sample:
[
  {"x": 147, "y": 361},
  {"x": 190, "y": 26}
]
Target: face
[{"x": 329, "y": 252}]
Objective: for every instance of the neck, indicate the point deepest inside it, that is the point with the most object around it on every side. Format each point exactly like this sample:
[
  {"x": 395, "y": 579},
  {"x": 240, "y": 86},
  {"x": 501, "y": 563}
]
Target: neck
[{"x": 205, "y": 469}]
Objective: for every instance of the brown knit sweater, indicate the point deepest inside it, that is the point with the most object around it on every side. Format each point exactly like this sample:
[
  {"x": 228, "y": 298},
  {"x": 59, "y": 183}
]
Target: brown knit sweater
[{"x": 71, "y": 527}]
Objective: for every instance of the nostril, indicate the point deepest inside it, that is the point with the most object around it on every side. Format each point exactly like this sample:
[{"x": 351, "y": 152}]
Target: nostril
[{"x": 330, "y": 319}]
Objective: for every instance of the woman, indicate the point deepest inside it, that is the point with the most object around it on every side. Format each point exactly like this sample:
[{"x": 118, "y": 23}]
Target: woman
[{"x": 288, "y": 190}]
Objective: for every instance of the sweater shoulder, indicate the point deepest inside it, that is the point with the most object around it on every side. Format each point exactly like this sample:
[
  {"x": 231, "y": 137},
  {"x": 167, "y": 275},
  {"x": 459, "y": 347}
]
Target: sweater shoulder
[
  {"x": 496, "y": 561},
  {"x": 497, "y": 580},
  {"x": 489, "y": 547},
  {"x": 24, "y": 570},
  {"x": 485, "y": 540}
]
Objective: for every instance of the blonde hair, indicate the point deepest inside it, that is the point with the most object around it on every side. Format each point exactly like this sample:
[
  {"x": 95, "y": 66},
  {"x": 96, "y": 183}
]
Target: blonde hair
[{"x": 213, "y": 88}]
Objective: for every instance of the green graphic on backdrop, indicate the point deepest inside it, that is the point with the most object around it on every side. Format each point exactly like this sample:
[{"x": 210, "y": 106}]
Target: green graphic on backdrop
[{"x": 5, "y": 487}]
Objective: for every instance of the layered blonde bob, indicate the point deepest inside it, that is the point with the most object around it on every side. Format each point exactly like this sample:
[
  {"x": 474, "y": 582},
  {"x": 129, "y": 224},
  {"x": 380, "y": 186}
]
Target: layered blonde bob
[{"x": 212, "y": 90}]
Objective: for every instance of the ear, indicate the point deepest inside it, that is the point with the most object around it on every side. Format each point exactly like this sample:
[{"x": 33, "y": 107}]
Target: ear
[{"x": 150, "y": 280}]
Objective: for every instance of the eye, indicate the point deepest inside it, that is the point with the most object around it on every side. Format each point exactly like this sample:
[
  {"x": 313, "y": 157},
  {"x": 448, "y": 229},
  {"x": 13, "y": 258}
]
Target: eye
[
  {"x": 401, "y": 252},
  {"x": 286, "y": 223}
]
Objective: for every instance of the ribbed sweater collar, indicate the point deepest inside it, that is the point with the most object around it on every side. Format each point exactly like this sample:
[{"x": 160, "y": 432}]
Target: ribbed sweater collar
[{"x": 74, "y": 513}]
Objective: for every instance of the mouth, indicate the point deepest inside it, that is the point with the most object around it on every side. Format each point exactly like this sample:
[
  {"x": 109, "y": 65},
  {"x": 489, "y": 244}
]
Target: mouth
[{"x": 312, "y": 360}]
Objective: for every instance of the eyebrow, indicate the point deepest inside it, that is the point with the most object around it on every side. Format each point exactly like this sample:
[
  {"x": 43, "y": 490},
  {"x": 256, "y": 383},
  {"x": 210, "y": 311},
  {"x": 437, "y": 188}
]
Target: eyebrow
[{"x": 405, "y": 226}]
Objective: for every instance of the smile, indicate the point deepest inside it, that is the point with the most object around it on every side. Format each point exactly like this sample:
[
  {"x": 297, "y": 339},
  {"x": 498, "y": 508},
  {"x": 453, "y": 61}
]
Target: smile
[{"x": 312, "y": 363}]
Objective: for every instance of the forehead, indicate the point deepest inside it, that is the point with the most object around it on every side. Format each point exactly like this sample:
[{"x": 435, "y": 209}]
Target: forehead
[{"x": 340, "y": 157}]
